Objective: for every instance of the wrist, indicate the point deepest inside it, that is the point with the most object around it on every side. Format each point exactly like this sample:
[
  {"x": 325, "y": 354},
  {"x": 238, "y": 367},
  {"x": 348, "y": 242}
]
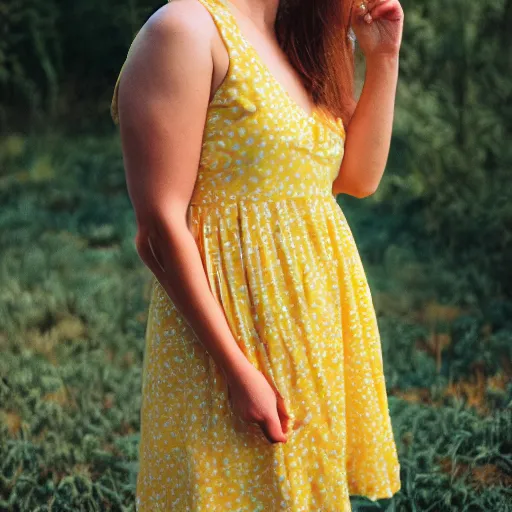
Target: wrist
[
  {"x": 382, "y": 60},
  {"x": 236, "y": 368}
]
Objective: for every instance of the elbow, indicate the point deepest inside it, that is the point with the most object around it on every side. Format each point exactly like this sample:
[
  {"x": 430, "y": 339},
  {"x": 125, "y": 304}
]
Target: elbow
[
  {"x": 365, "y": 191},
  {"x": 355, "y": 182},
  {"x": 365, "y": 187},
  {"x": 148, "y": 241},
  {"x": 156, "y": 235},
  {"x": 142, "y": 243},
  {"x": 145, "y": 241},
  {"x": 359, "y": 190}
]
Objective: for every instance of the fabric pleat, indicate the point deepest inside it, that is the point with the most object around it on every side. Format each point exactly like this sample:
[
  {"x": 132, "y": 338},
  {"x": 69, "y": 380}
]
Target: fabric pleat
[{"x": 317, "y": 343}]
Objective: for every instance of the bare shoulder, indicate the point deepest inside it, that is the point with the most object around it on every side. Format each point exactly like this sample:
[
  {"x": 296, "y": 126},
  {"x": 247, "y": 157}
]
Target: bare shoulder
[
  {"x": 188, "y": 16},
  {"x": 171, "y": 50},
  {"x": 180, "y": 29},
  {"x": 175, "y": 21}
]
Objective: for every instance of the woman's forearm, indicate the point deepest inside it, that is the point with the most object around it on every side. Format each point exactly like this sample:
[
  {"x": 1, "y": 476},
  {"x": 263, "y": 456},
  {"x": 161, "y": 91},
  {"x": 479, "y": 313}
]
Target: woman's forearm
[
  {"x": 369, "y": 132},
  {"x": 170, "y": 251}
]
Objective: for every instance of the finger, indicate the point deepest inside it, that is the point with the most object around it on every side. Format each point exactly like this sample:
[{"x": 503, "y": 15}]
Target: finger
[
  {"x": 372, "y": 4},
  {"x": 375, "y": 9},
  {"x": 284, "y": 417},
  {"x": 361, "y": 7},
  {"x": 265, "y": 431},
  {"x": 271, "y": 427},
  {"x": 363, "y": 11},
  {"x": 388, "y": 10}
]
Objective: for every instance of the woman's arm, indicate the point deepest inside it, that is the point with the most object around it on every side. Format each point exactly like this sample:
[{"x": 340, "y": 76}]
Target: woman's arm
[
  {"x": 162, "y": 101},
  {"x": 369, "y": 132},
  {"x": 378, "y": 29}
]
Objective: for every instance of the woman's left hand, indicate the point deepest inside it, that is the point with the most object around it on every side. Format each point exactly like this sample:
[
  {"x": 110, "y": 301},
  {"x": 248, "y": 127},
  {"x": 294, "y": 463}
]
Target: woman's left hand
[{"x": 378, "y": 26}]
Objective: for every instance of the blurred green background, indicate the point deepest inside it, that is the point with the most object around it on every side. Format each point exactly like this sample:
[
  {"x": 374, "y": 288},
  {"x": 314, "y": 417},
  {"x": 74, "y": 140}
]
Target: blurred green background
[{"x": 436, "y": 240}]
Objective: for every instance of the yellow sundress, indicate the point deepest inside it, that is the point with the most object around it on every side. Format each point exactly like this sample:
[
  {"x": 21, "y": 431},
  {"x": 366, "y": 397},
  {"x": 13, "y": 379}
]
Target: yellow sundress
[{"x": 281, "y": 260}]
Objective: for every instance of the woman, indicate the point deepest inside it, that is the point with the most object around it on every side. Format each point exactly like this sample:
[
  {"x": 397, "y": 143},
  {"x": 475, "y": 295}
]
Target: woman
[{"x": 263, "y": 385}]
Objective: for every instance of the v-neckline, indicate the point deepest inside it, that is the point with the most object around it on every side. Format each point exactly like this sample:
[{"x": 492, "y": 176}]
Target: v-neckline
[{"x": 308, "y": 116}]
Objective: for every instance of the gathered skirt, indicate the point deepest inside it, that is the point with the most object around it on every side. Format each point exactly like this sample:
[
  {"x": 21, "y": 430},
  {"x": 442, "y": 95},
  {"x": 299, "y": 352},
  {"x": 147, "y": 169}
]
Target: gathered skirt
[{"x": 291, "y": 283}]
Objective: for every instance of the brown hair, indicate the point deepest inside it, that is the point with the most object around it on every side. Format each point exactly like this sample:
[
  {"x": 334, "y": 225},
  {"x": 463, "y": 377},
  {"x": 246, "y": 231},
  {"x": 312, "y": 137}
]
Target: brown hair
[{"x": 315, "y": 37}]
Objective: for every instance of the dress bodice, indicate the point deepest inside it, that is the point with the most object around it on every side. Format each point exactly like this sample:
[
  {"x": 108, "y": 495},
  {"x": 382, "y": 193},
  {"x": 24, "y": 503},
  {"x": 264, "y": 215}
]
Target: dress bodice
[{"x": 258, "y": 142}]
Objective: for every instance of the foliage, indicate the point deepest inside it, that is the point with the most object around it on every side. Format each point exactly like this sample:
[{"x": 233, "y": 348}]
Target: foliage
[
  {"x": 73, "y": 311},
  {"x": 451, "y": 159},
  {"x": 58, "y": 60}
]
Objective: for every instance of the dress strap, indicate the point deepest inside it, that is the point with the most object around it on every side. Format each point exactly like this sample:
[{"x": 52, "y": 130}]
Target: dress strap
[{"x": 227, "y": 26}]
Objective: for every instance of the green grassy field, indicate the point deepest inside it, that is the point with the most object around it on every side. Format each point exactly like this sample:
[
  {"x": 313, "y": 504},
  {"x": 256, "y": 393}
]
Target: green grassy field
[{"x": 73, "y": 300}]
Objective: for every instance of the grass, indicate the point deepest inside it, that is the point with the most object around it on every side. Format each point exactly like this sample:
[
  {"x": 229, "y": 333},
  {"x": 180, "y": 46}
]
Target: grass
[{"x": 73, "y": 299}]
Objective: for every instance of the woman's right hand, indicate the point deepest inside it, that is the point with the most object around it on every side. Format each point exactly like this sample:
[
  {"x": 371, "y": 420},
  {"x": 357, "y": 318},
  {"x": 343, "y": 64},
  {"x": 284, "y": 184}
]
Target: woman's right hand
[{"x": 254, "y": 400}]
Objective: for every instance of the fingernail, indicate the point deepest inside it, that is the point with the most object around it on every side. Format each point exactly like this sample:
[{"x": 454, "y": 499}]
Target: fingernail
[{"x": 368, "y": 18}]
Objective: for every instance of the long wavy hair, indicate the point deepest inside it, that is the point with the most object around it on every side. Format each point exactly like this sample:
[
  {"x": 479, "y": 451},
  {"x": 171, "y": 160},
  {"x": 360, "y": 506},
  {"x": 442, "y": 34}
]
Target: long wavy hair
[{"x": 315, "y": 36}]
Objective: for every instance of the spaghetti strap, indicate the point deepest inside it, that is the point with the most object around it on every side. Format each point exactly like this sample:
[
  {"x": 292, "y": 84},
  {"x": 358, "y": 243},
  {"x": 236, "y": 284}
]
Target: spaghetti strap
[{"x": 226, "y": 25}]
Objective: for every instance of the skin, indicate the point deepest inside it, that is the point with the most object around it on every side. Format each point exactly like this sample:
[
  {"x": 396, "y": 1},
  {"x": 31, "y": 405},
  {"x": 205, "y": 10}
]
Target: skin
[
  {"x": 174, "y": 66},
  {"x": 369, "y": 132}
]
